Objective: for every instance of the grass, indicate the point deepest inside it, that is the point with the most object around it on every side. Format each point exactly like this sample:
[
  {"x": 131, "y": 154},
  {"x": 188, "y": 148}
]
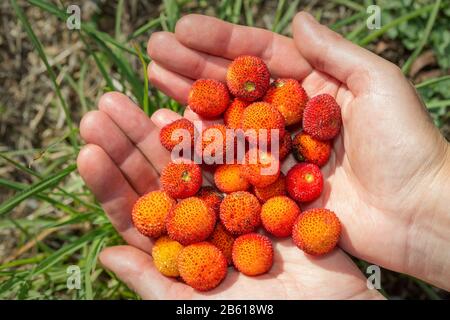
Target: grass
[{"x": 54, "y": 220}]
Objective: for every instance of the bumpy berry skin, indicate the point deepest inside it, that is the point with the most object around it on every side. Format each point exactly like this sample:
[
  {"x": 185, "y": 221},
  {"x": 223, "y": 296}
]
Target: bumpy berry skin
[
  {"x": 208, "y": 98},
  {"x": 285, "y": 146},
  {"x": 316, "y": 231},
  {"x": 278, "y": 188},
  {"x": 165, "y": 135},
  {"x": 248, "y": 78},
  {"x": 212, "y": 198},
  {"x": 233, "y": 115},
  {"x": 264, "y": 172},
  {"x": 289, "y": 97},
  {"x": 262, "y": 115},
  {"x": 252, "y": 254},
  {"x": 228, "y": 178},
  {"x": 213, "y": 143},
  {"x": 223, "y": 240},
  {"x": 202, "y": 266},
  {"x": 181, "y": 179},
  {"x": 278, "y": 215},
  {"x": 304, "y": 182},
  {"x": 240, "y": 212},
  {"x": 150, "y": 211},
  {"x": 165, "y": 255},
  {"x": 306, "y": 148},
  {"x": 322, "y": 117},
  {"x": 190, "y": 221}
]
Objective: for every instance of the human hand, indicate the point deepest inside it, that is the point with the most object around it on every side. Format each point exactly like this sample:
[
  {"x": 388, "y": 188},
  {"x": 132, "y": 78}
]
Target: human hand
[{"x": 118, "y": 172}]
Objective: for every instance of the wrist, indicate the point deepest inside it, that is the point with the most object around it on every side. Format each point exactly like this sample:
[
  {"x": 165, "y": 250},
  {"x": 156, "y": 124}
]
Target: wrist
[{"x": 428, "y": 245}]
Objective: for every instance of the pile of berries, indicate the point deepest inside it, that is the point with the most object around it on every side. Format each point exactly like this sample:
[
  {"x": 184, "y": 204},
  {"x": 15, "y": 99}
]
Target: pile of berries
[{"x": 201, "y": 230}]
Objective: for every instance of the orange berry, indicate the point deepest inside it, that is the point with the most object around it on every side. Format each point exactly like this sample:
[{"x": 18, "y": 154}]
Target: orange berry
[
  {"x": 263, "y": 116},
  {"x": 169, "y": 142},
  {"x": 240, "y": 212},
  {"x": 261, "y": 168},
  {"x": 181, "y": 179},
  {"x": 278, "y": 215},
  {"x": 252, "y": 254},
  {"x": 213, "y": 144},
  {"x": 227, "y": 178},
  {"x": 248, "y": 78},
  {"x": 208, "y": 98},
  {"x": 223, "y": 240},
  {"x": 306, "y": 148},
  {"x": 316, "y": 231},
  {"x": 190, "y": 221},
  {"x": 304, "y": 182},
  {"x": 212, "y": 198},
  {"x": 233, "y": 115},
  {"x": 202, "y": 266},
  {"x": 165, "y": 255},
  {"x": 289, "y": 97},
  {"x": 278, "y": 188},
  {"x": 150, "y": 211}
]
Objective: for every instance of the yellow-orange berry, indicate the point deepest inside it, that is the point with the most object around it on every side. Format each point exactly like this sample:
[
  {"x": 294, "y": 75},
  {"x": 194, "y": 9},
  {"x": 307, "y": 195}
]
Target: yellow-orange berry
[
  {"x": 228, "y": 178},
  {"x": 316, "y": 231},
  {"x": 233, "y": 115},
  {"x": 278, "y": 188},
  {"x": 202, "y": 266},
  {"x": 165, "y": 255},
  {"x": 240, "y": 212},
  {"x": 264, "y": 119},
  {"x": 252, "y": 254},
  {"x": 150, "y": 211},
  {"x": 261, "y": 168},
  {"x": 278, "y": 215},
  {"x": 190, "y": 221},
  {"x": 289, "y": 97},
  {"x": 223, "y": 240}
]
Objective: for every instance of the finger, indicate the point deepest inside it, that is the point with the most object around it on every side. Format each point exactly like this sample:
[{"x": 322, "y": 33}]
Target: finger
[
  {"x": 172, "y": 84},
  {"x": 136, "y": 269},
  {"x": 169, "y": 53},
  {"x": 97, "y": 128},
  {"x": 196, "y": 118},
  {"x": 329, "y": 52},
  {"x": 112, "y": 190},
  {"x": 219, "y": 38},
  {"x": 137, "y": 126}
]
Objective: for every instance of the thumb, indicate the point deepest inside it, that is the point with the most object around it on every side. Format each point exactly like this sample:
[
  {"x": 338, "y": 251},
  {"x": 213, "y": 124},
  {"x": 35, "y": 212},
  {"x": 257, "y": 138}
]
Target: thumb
[
  {"x": 136, "y": 269},
  {"x": 328, "y": 52}
]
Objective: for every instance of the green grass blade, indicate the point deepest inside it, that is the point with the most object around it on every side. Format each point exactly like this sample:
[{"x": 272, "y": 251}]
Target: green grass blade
[
  {"x": 248, "y": 13},
  {"x": 432, "y": 81},
  {"x": 46, "y": 183},
  {"x": 145, "y": 98},
  {"x": 144, "y": 28},
  {"x": 287, "y": 17},
  {"x": 378, "y": 33},
  {"x": 90, "y": 264},
  {"x": 278, "y": 13},
  {"x": 423, "y": 41},
  {"x": 67, "y": 249},
  {"x": 38, "y": 46},
  {"x": 438, "y": 104},
  {"x": 172, "y": 13},
  {"x": 118, "y": 20},
  {"x": 236, "y": 11},
  {"x": 350, "y": 4}
]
